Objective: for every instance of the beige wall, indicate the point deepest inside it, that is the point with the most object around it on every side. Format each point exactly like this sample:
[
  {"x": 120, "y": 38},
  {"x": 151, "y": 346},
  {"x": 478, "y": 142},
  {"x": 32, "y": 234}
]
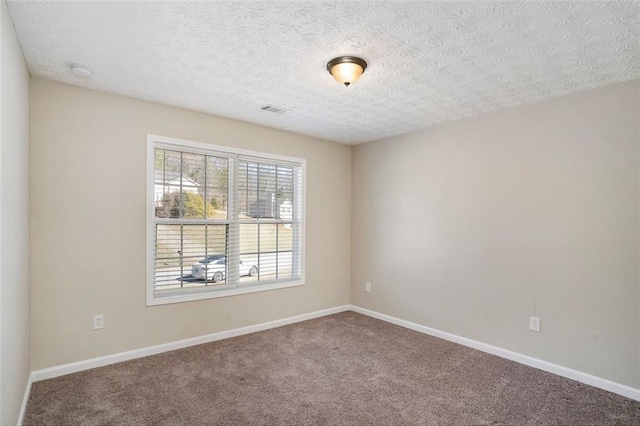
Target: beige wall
[
  {"x": 469, "y": 227},
  {"x": 15, "y": 355},
  {"x": 473, "y": 226},
  {"x": 88, "y": 224}
]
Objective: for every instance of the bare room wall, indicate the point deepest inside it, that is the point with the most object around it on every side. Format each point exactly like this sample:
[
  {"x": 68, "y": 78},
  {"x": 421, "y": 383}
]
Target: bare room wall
[
  {"x": 15, "y": 354},
  {"x": 473, "y": 226},
  {"x": 88, "y": 223}
]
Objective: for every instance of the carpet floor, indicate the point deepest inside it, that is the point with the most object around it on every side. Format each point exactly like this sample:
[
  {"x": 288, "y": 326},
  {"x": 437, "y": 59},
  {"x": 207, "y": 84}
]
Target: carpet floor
[{"x": 343, "y": 369}]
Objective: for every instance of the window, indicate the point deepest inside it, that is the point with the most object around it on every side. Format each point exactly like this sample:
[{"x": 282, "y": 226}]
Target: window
[{"x": 221, "y": 221}]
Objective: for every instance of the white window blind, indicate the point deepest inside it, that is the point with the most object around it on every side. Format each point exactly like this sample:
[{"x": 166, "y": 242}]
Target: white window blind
[{"x": 221, "y": 221}]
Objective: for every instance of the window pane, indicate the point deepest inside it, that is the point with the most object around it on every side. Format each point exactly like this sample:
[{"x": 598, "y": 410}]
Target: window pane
[
  {"x": 267, "y": 260},
  {"x": 248, "y": 189},
  {"x": 284, "y": 195},
  {"x": 190, "y": 256},
  {"x": 216, "y": 187},
  {"x": 168, "y": 265},
  {"x": 265, "y": 190},
  {"x": 167, "y": 183},
  {"x": 266, "y": 206},
  {"x": 269, "y": 248},
  {"x": 249, "y": 251},
  {"x": 190, "y": 186},
  {"x": 285, "y": 250},
  {"x": 192, "y": 181}
]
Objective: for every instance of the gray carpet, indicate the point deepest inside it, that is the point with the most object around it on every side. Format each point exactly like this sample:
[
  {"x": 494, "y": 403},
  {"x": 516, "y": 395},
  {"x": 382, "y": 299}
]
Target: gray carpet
[{"x": 336, "y": 370}]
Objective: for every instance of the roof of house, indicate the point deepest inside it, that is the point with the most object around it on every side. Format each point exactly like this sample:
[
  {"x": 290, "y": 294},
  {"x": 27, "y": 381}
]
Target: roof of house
[{"x": 168, "y": 176}]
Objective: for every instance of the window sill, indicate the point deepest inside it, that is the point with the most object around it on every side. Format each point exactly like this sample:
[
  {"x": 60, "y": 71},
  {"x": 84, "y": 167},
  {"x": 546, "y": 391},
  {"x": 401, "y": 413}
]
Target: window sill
[{"x": 153, "y": 300}]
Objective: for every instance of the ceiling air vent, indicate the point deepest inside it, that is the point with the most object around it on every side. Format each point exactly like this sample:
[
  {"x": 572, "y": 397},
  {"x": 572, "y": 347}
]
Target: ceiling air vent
[{"x": 274, "y": 109}]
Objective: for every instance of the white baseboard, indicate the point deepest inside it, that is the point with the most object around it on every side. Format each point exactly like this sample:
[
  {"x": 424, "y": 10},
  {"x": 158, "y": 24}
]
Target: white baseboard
[
  {"x": 25, "y": 399},
  {"x": 74, "y": 367},
  {"x": 569, "y": 373}
]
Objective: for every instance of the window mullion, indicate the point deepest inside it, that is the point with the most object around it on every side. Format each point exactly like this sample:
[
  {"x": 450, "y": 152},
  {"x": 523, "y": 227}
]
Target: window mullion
[
  {"x": 258, "y": 216},
  {"x": 233, "y": 235},
  {"x": 206, "y": 184},
  {"x": 296, "y": 227},
  {"x": 277, "y": 215},
  {"x": 181, "y": 256},
  {"x": 181, "y": 203}
]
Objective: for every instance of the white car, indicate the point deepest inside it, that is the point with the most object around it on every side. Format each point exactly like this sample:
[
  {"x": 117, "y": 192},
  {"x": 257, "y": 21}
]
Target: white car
[{"x": 212, "y": 268}]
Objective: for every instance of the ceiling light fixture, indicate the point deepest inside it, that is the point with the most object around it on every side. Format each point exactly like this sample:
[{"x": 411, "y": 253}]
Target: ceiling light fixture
[
  {"x": 346, "y": 69},
  {"x": 81, "y": 71}
]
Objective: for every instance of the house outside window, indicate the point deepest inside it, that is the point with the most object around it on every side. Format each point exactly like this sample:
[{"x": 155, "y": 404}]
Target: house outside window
[{"x": 221, "y": 221}]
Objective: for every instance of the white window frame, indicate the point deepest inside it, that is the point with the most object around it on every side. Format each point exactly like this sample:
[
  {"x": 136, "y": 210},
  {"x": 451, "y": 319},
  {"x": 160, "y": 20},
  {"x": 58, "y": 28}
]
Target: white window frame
[{"x": 155, "y": 141}]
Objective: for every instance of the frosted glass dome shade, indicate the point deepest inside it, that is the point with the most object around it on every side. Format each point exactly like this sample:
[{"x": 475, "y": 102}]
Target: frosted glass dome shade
[{"x": 346, "y": 69}]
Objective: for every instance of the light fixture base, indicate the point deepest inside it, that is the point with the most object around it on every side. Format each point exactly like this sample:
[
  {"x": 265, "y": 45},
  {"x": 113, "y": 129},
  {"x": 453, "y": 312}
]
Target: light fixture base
[{"x": 81, "y": 71}]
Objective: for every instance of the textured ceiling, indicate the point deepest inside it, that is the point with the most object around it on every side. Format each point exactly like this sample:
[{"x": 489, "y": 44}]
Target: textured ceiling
[{"x": 429, "y": 62}]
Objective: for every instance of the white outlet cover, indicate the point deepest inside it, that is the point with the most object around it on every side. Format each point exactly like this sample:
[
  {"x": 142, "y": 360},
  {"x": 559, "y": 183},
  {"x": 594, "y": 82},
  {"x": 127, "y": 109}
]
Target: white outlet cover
[
  {"x": 367, "y": 287},
  {"x": 98, "y": 322},
  {"x": 534, "y": 324}
]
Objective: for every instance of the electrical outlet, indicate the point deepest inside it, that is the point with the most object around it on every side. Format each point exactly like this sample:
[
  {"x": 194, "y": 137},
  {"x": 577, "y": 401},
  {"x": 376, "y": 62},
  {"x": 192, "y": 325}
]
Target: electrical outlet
[
  {"x": 98, "y": 322},
  {"x": 367, "y": 287},
  {"x": 534, "y": 323}
]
